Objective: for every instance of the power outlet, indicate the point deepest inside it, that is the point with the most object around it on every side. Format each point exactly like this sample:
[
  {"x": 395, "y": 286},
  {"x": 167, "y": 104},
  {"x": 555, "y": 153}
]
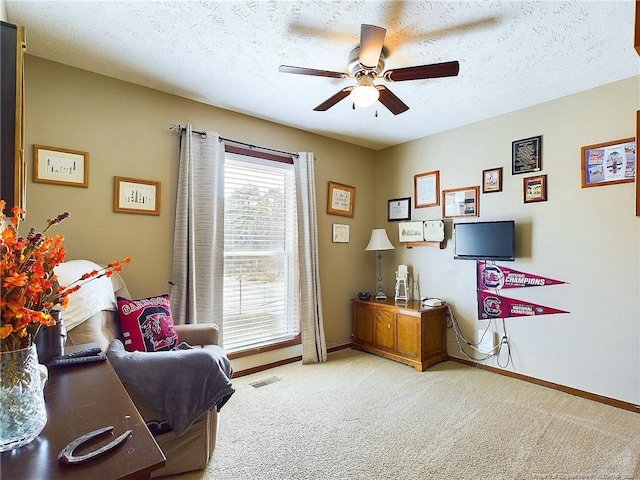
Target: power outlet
[{"x": 488, "y": 343}]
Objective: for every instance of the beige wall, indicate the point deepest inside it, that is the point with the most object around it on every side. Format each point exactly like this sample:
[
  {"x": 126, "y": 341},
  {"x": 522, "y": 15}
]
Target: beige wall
[
  {"x": 3, "y": 10},
  {"x": 125, "y": 129},
  {"x": 587, "y": 237}
]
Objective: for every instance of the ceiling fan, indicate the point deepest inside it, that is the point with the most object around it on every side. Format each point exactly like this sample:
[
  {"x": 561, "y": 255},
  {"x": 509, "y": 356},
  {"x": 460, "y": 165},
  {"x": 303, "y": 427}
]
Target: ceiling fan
[{"x": 366, "y": 64}]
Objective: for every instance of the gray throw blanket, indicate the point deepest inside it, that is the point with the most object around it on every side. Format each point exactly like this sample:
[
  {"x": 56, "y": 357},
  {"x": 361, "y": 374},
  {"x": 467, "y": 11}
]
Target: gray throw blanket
[{"x": 181, "y": 384}]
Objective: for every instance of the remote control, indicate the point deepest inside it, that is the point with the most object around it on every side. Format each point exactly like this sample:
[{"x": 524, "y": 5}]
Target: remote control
[
  {"x": 87, "y": 352},
  {"x": 68, "y": 362}
]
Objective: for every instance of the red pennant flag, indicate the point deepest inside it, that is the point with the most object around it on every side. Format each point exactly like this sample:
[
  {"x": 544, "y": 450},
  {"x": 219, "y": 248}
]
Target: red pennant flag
[
  {"x": 491, "y": 305},
  {"x": 495, "y": 277}
]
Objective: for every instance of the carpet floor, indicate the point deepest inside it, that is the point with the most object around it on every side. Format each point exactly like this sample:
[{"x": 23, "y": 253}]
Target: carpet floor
[{"x": 359, "y": 416}]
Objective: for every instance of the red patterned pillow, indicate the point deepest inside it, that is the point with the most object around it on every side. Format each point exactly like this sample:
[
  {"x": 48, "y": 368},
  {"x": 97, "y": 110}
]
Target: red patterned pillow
[{"x": 146, "y": 324}]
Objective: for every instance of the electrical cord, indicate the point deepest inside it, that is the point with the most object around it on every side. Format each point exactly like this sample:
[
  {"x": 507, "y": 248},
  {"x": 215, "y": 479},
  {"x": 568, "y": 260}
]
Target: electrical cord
[
  {"x": 504, "y": 341},
  {"x": 465, "y": 344}
]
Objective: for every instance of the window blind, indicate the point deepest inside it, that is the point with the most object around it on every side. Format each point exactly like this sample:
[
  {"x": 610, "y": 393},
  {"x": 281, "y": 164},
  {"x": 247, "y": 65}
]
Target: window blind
[{"x": 260, "y": 264}]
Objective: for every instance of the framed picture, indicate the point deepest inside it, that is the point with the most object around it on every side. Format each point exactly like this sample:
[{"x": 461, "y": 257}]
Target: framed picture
[
  {"x": 341, "y": 199},
  {"x": 426, "y": 189},
  {"x": 399, "y": 209},
  {"x": 461, "y": 202},
  {"x": 608, "y": 163},
  {"x": 534, "y": 189},
  {"x": 526, "y": 155},
  {"x": 492, "y": 180},
  {"x": 60, "y": 166},
  {"x": 133, "y": 195},
  {"x": 340, "y": 233},
  {"x": 411, "y": 232}
]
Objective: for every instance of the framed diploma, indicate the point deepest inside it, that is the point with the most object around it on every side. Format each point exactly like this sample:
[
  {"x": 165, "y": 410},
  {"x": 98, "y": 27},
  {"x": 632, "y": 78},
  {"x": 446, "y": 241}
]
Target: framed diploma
[
  {"x": 399, "y": 209},
  {"x": 426, "y": 188}
]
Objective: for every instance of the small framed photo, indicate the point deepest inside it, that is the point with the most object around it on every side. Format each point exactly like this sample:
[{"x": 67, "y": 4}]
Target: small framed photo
[
  {"x": 133, "y": 195},
  {"x": 60, "y": 166},
  {"x": 608, "y": 163},
  {"x": 526, "y": 155},
  {"x": 426, "y": 189},
  {"x": 492, "y": 180},
  {"x": 399, "y": 209},
  {"x": 410, "y": 232},
  {"x": 461, "y": 202},
  {"x": 340, "y": 233},
  {"x": 341, "y": 199},
  {"x": 534, "y": 189}
]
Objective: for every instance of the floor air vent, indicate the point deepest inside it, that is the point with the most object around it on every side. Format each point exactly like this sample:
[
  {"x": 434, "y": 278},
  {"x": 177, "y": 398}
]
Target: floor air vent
[{"x": 266, "y": 381}]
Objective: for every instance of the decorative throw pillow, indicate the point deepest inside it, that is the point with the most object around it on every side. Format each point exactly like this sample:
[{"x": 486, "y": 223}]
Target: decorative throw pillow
[{"x": 146, "y": 324}]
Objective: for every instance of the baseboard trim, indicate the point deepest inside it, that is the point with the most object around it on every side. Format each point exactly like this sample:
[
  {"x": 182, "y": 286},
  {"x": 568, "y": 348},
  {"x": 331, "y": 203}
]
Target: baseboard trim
[
  {"x": 262, "y": 368},
  {"x": 555, "y": 386},
  {"x": 338, "y": 347}
]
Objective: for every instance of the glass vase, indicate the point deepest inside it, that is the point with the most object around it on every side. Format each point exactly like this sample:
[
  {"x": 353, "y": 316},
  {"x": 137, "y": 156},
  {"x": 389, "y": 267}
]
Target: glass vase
[{"x": 23, "y": 413}]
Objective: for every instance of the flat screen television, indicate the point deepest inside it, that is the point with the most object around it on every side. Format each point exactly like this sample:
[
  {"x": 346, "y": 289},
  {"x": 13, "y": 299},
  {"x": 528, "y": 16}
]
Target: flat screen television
[{"x": 485, "y": 240}]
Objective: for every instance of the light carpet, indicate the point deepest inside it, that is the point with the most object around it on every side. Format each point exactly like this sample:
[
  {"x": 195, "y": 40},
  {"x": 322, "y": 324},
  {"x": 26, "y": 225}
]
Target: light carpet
[{"x": 359, "y": 416}]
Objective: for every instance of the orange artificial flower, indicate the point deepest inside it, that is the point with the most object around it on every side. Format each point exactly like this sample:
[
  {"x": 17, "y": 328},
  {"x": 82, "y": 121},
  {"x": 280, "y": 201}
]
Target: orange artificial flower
[{"x": 29, "y": 285}]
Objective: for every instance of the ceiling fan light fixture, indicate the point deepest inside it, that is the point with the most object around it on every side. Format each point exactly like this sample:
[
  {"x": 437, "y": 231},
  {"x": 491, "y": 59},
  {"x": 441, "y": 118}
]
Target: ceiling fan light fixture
[{"x": 365, "y": 93}]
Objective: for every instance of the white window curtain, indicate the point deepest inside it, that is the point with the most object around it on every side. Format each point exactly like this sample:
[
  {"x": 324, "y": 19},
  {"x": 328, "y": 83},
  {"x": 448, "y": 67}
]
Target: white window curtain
[
  {"x": 314, "y": 348},
  {"x": 198, "y": 246},
  {"x": 198, "y": 254}
]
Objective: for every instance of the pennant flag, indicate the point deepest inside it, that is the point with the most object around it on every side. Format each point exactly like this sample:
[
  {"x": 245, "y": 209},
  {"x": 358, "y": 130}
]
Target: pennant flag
[
  {"x": 494, "y": 277},
  {"x": 491, "y": 305}
]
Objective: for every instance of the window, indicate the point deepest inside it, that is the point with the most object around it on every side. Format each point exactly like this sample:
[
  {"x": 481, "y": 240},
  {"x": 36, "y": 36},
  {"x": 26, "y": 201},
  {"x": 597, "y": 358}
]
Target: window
[{"x": 260, "y": 255}]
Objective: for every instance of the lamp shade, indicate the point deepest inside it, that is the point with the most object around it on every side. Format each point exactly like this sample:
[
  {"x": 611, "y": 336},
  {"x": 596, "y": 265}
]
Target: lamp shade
[
  {"x": 379, "y": 240},
  {"x": 365, "y": 92},
  {"x": 364, "y": 96}
]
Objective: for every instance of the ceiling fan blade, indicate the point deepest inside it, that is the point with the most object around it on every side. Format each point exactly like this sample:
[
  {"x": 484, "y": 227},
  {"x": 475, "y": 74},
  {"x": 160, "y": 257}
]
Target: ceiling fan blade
[
  {"x": 371, "y": 42},
  {"x": 420, "y": 72},
  {"x": 391, "y": 101},
  {"x": 311, "y": 71},
  {"x": 331, "y": 101}
]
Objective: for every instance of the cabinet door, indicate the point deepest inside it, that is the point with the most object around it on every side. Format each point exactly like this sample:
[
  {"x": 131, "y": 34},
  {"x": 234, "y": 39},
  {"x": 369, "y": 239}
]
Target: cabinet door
[
  {"x": 408, "y": 331},
  {"x": 385, "y": 329},
  {"x": 363, "y": 323}
]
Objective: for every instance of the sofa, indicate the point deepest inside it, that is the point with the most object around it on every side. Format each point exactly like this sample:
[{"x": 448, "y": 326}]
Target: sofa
[{"x": 189, "y": 451}]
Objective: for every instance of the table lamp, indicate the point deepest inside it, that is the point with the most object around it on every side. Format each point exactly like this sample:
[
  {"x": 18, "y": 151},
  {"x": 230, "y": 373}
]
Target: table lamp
[{"x": 379, "y": 241}]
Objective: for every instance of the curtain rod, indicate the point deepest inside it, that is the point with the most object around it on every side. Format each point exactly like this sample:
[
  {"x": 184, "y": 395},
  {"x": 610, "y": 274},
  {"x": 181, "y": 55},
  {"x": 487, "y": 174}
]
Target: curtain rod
[{"x": 178, "y": 128}]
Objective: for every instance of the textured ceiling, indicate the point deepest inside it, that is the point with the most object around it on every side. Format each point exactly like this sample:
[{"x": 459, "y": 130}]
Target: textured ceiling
[{"x": 226, "y": 53}]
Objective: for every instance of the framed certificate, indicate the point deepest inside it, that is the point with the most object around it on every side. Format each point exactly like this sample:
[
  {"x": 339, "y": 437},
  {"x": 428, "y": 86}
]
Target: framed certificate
[
  {"x": 426, "y": 188},
  {"x": 399, "y": 209}
]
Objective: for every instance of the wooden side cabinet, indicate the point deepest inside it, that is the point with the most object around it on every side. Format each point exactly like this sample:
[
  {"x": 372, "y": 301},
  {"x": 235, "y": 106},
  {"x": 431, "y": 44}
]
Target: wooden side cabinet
[{"x": 405, "y": 332}]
